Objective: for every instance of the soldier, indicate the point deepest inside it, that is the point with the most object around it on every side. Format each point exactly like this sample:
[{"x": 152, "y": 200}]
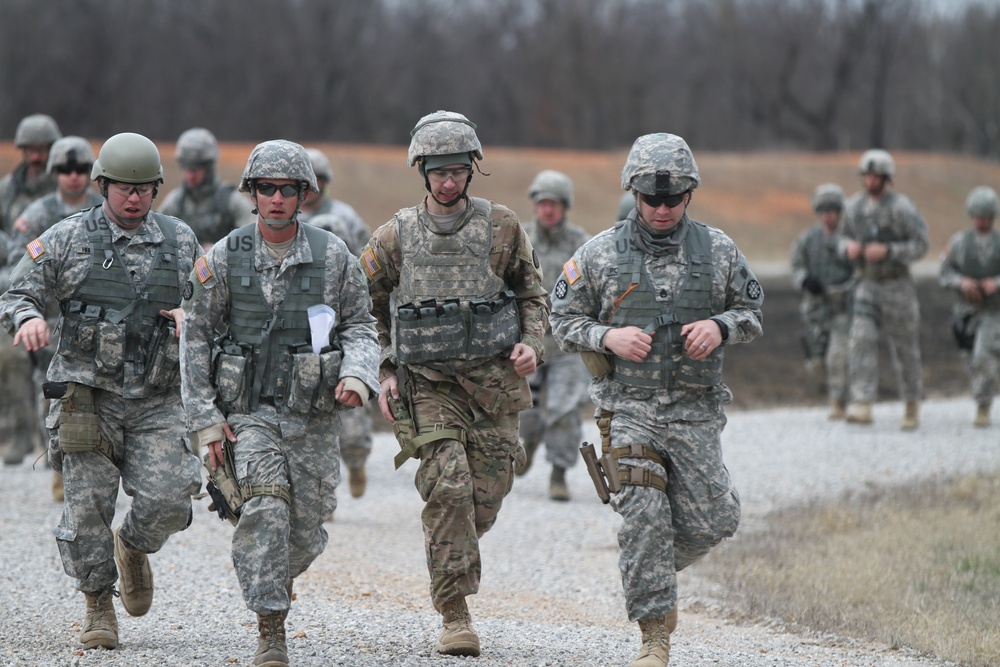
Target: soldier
[
  {"x": 651, "y": 304},
  {"x": 971, "y": 268},
  {"x": 268, "y": 391},
  {"x": 625, "y": 205},
  {"x": 35, "y": 134},
  {"x": 559, "y": 387},
  {"x": 883, "y": 234},
  {"x": 212, "y": 207},
  {"x": 116, "y": 272},
  {"x": 824, "y": 277},
  {"x": 465, "y": 332},
  {"x": 318, "y": 203}
]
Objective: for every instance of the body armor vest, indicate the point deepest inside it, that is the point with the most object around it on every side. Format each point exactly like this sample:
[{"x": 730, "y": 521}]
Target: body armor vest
[
  {"x": 975, "y": 265},
  {"x": 875, "y": 227},
  {"x": 211, "y": 218},
  {"x": 824, "y": 262},
  {"x": 666, "y": 362},
  {"x": 110, "y": 321},
  {"x": 454, "y": 306},
  {"x": 271, "y": 339}
]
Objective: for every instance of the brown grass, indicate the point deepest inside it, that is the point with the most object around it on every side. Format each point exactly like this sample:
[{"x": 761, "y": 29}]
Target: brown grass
[{"x": 917, "y": 566}]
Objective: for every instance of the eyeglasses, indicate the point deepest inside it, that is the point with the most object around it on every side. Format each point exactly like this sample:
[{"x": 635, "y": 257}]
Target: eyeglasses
[
  {"x": 656, "y": 202},
  {"x": 287, "y": 190},
  {"x": 127, "y": 189},
  {"x": 73, "y": 169},
  {"x": 457, "y": 174}
]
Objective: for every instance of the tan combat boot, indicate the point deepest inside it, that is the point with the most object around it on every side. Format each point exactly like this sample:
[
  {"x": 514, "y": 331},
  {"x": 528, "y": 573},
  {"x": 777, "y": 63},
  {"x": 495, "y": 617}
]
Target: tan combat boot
[
  {"x": 558, "y": 490},
  {"x": 911, "y": 417},
  {"x": 837, "y": 409},
  {"x": 357, "y": 480},
  {"x": 655, "y": 651},
  {"x": 100, "y": 626},
  {"x": 458, "y": 637},
  {"x": 272, "y": 651},
  {"x": 136, "y": 578},
  {"x": 859, "y": 413},
  {"x": 982, "y": 415}
]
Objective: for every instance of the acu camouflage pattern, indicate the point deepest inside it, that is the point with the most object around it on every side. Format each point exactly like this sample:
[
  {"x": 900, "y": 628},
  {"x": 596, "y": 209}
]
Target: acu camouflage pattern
[
  {"x": 17, "y": 191},
  {"x": 682, "y": 424},
  {"x": 656, "y": 156},
  {"x": 340, "y": 219},
  {"x": 973, "y": 255},
  {"x": 42, "y": 214},
  {"x": 885, "y": 299},
  {"x": 196, "y": 147},
  {"x": 212, "y": 210},
  {"x": 443, "y": 133},
  {"x": 275, "y": 541},
  {"x": 69, "y": 150},
  {"x": 462, "y": 483},
  {"x": 279, "y": 159}
]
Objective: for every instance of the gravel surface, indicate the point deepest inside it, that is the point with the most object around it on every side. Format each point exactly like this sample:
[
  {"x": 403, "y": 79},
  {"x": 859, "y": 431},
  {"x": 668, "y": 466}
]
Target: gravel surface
[{"x": 551, "y": 593}]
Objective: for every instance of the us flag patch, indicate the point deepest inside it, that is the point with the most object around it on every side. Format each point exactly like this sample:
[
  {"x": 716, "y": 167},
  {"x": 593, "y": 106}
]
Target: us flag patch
[
  {"x": 35, "y": 249},
  {"x": 370, "y": 263},
  {"x": 202, "y": 271},
  {"x": 572, "y": 273}
]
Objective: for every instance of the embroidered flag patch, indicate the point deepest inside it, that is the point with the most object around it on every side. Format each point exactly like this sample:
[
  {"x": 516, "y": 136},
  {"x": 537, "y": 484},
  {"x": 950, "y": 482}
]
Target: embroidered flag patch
[
  {"x": 35, "y": 249},
  {"x": 572, "y": 273},
  {"x": 371, "y": 264},
  {"x": 202, "y": 271}
]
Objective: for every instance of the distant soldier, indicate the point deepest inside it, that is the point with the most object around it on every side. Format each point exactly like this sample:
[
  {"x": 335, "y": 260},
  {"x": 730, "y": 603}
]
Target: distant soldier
[
  {"x": 558, "y": 387},
  {"x": 267, "y": 396},
  {"x": 625, "y": 205},
  {"x": 320, "y": 203},
  {"x": 883, "y": 234},
  {"x": 824, "y": 277},
  {"x": 210, "y": 206},
  {"x": 971, "y": 268},
  {"x": 35, "y": 135},
  {"x": 116, "y": 272}
]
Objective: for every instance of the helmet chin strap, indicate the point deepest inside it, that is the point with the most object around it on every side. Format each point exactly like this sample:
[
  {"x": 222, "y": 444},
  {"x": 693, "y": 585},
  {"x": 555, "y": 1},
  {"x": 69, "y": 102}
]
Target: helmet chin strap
[{"x": 277, "y": 224}]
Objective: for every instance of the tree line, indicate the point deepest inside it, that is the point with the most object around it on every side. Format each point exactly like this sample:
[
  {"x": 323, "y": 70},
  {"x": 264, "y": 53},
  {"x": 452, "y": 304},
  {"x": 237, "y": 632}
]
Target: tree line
[{"x": 586, "y": 74}]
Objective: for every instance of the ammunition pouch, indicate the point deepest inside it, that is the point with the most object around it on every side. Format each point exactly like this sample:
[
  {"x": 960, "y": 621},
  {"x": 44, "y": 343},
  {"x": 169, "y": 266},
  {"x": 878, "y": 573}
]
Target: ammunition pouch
[
  {"x": 226, "y": 492},
  {"x": 411, "y": 439},
  {"x": 231, "y": 376},
  {"x": 163, "y": 359},
  {"x": 79, "y": 424},
  {"x": 598, "y": 363}
]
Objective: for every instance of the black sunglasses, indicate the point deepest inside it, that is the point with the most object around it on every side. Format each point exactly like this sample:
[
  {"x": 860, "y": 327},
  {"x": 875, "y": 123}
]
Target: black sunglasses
[
  {"x": 74, "y": 169},
  {"x": 656, "y": 201},
  {"x": 287, "y": 190}
]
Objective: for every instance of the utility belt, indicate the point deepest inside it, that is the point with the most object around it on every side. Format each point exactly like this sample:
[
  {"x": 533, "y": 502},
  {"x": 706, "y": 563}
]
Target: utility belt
[
  {"x": 608, "y": 474},
  {"x": 430, "y": 330},
  {"x": 79, "y": 422}
]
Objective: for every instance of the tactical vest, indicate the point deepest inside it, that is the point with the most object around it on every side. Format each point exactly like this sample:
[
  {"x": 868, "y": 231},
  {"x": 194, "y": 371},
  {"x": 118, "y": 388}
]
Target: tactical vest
[
  {"x": 211, "y": 219},
  {"x": 454, "y": 306},
  {"x": 875, "y": 227},
  {"x": 974, "y": 265},
  {"x": 276, "y": 344},
  {"x": 666, "y": 362},
  {"x": 824, "y": 261},
  {"x": 110, "y": 321}
]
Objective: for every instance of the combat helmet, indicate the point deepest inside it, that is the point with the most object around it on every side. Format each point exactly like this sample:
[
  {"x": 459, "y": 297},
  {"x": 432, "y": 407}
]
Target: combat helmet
[
  {"x": 69, "y": 151},
  {"x": 828, "y": 196},
  {"x": 877, "y": 161},
  {"x": 279, "y": 158},
  {"x": 982, "y": 202},
  {"x": 196, "y": 147},
  {"x": 36, "y": 130},
  {"x": 660, "y": 164},
  {"x": 128, "y": 158},
  {"x": 551, "y": 184},
  {"x": 320, "y": 164},
  {"x": 444, "y": 134}
]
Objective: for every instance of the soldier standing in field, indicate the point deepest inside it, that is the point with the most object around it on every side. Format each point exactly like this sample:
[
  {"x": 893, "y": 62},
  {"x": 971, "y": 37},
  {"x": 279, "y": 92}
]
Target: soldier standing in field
[
  {"x": 652, "y": 304},
  {"x": 464, "y": 332},
  {"x": 883, "y": 234},
  {"x": 559, "y": 387},
  {"x": 116, "y": 272},
  {"x": 970, "y": 268},
  {"x": 824, "y": 277},
  {"x": 266, "y": 397}
]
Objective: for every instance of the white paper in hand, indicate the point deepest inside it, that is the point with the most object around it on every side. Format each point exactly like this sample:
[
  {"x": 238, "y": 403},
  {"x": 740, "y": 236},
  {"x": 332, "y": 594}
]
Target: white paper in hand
[{"x": 321, "y": 321}]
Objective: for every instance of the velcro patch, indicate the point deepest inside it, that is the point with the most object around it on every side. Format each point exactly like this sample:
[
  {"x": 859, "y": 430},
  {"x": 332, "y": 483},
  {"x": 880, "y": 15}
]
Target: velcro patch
[
  {"x": 35, "y": 249},
  {"x": 370, "y": 263},
  {"x": 202, "y": 271},
  {"x": 571, "y": 272}
]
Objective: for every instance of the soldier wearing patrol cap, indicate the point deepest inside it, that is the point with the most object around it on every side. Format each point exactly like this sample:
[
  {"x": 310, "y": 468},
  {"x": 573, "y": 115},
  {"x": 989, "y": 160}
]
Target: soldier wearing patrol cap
[
  {"x": 271, "y": 389},
  {"x": 210, "y": 206},
  {"x": 652, "y": 304},
  {"x": 116, "y": 272},
  {"x": 466, "y": 330},
  {"x": 559, "y": 387},
  {"x": 883, "y": 234},
  {"x": 35, "y": 135},
  {"x": 970, "y": 268}
]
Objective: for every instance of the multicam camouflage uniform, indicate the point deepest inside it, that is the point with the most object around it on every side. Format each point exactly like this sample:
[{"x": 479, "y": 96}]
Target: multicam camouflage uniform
[
  {"x": 669, "y": 403},
  {"x": 141, "y": 424},
  {"x": 463, "y": 484},
  {"x": 278, "y": 445}
]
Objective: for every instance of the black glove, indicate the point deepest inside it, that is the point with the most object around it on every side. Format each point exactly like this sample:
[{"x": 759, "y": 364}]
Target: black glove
[{"x": 812, "y": 285}]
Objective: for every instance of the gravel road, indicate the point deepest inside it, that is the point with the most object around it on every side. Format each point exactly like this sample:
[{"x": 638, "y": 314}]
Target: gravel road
[{"x": 551, "y": 593}]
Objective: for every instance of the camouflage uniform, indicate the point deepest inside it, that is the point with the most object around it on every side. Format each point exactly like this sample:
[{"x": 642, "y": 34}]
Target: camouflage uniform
[
  {"x": 975, "y": 254},
  {"x": 213, "y": 209},
  {"x": 277, "y": 446},
  {"x": 668, "y": 405},
  {"x": 18, "y": 189},
  {"x": 141, "y": 425}
]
